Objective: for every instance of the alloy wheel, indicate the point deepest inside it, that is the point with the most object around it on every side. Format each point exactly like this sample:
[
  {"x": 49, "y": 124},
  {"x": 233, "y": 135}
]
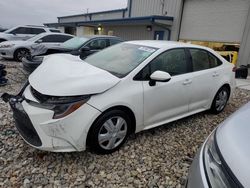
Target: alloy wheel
[
  {"x": 221, "y": 100},
  {"x": 22, "y": 54}
]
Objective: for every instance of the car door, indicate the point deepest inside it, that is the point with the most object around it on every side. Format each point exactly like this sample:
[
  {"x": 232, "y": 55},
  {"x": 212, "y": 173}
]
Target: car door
[
  {"x": 167, "y": 100},
  {"x": 204, "y": 82}
]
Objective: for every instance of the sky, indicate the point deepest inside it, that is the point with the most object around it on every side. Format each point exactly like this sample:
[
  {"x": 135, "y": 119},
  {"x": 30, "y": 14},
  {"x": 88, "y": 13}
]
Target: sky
[{"x": 37, "y": 12}]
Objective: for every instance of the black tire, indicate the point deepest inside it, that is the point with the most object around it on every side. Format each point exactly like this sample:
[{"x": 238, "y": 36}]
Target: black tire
[
  {"x": 98, "y": 127},
  {"x": 215, "y": 109},
  {"x": 20, "y": 53}
]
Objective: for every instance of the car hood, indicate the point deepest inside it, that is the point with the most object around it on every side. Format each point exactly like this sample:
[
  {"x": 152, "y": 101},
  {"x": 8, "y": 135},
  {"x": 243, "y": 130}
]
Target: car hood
[
  {"x": 68, "y": 75},
  {"x": 233, "y": 138}
]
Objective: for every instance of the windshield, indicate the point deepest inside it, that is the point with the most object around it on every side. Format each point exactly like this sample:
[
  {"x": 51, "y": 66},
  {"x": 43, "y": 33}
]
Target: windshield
[
  {"x": 37, "y": 37},
  {"x": 120, "y": 59},
  {"x": 75, "y": 42}
]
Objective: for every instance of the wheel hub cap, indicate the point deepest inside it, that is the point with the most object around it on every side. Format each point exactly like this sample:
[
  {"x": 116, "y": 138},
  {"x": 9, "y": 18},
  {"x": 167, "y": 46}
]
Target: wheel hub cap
[{"x": 112, "y": 133}]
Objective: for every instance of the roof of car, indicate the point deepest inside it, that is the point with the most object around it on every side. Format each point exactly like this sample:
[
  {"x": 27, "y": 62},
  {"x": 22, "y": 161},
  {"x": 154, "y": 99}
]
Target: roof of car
[
  {"x": 99, "y": 36},
  {"x": 46, "y": 33},
  {"x": 165, "y": 44}
]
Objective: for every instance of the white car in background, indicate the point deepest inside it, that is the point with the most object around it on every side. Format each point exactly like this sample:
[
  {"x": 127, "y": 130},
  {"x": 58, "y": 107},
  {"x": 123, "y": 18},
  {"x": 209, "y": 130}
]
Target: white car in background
[
  {"x": 24, "y": 32},
  {"x": 20, "y": 49},
  {"x": 70, "y": 104}
]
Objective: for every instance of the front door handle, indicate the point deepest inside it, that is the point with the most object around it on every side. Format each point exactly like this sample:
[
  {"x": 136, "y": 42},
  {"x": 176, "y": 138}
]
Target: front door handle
[{"x": 187, "y": 82}]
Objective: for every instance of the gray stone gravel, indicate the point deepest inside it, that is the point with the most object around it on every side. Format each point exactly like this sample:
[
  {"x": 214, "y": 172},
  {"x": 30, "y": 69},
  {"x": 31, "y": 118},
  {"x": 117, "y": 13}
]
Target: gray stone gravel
[{"x": 155, "y": 158}]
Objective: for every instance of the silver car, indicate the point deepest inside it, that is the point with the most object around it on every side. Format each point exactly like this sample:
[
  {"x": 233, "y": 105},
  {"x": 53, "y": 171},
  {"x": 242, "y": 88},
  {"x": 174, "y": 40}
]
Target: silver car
[
  {"x": 223, "y": 160},
  {"x": 21, "y": 49},
  {"x": 24, "y": 32}
]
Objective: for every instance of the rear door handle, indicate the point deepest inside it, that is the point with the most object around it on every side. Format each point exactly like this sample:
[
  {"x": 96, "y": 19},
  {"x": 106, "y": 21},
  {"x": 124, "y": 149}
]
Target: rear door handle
[
  {"x": 187, "y": 82},
  {"x": 215, "y": 74}
]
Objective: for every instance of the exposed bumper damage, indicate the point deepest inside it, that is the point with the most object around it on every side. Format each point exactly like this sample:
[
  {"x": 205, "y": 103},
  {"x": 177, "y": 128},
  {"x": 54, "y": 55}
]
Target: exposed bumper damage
[{"x": 38, "y": 128}]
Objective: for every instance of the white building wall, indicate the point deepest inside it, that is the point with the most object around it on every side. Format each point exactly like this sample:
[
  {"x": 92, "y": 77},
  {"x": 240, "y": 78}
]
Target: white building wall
[
  {"x": 214, "y": 20},
  {"x": 82, "y": 18},
  {"x": 133, "y": 32},
  {"x": 244, "y": 54},
  {"x": 106, "y": 16},
  {"x": 155, "y": 7}
]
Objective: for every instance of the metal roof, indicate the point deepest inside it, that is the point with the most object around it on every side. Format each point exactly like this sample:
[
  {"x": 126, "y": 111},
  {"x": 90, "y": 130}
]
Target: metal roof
[{"x": 121, "y": 21}]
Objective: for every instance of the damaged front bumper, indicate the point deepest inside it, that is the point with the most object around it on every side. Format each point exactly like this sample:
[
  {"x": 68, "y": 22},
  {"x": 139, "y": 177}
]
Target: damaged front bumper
[{"x": 38, "y": 128}]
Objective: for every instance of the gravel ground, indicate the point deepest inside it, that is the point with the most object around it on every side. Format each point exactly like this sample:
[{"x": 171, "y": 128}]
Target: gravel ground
[{"x": 156, "y": 158}]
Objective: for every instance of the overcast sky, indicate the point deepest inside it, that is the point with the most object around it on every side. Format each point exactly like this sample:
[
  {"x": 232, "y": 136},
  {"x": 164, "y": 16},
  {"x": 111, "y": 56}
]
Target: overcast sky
[{"x": 18, "y": 12}]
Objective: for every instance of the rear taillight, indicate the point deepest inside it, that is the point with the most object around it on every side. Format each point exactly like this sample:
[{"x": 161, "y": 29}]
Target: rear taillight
[{"x": 234, "y": 69}]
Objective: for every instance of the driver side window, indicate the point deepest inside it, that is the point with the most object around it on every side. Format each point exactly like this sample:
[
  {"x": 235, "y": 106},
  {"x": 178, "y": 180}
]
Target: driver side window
[
  {"x": 172, "y": 61},
  {"x": 97, "y": 44}
]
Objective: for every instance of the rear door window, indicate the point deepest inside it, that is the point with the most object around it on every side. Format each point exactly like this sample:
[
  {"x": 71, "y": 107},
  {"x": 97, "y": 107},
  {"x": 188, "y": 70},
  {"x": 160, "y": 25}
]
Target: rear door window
[
  {"x": 98, "y": 44},
  {"x": 36, "y": 31},
  {"x": 55, "y": 31},
  {"x": 114, "y": 41},
  {"x": 21, "y": 30},
  {"x": 214, "y": 61},
  {"x": 200, "y": 59}
]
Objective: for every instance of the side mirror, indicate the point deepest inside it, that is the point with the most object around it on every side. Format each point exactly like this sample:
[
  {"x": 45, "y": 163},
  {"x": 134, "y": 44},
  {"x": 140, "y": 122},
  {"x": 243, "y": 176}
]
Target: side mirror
[
  {"x": 159, "y": 76},
  {"x": 39, "y": 41},
  {"x": 85, "y": 49}
]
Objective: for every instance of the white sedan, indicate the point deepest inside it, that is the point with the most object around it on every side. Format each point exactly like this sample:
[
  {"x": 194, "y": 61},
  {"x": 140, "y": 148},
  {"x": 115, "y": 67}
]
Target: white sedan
[
  {"x": 70, "y": 104},
  {"x": 19, "y": 49}
]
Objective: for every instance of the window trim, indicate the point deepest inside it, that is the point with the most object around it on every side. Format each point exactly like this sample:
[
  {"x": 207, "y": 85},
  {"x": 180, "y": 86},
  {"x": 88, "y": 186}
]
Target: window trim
[{"x": 188, "y": 61}]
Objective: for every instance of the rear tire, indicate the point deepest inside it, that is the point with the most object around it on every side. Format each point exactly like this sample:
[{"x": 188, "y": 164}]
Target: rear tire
[
  {"x": 220, "y": 100},
  {"x": 21, "y": 53},
  {"x": 109, "y": 132}
]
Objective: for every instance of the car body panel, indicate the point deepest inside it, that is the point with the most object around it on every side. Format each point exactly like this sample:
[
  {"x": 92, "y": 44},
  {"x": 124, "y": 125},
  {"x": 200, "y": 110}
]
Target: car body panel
[
  {"x": 160, "y": 101},
  {"x": 31, "y": 44},
  {"x": 60, "y": 135},
  {"x": 197, "y": 177},
  {"x": 77, "y": 76},
  {"x": 9, "y": 36},
  {"x": 233, "y": 141}
]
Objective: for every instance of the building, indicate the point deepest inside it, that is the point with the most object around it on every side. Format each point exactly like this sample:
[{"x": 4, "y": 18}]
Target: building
[{"x": 220, "y": 21}]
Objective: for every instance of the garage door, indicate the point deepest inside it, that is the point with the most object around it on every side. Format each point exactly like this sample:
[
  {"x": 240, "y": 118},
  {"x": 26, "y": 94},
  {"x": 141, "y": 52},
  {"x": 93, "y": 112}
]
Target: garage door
[{"x": 214, "y": 20}]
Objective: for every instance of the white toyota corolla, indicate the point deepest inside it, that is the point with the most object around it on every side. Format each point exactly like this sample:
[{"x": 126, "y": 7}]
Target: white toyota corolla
[{"x": 70, "y": 104}]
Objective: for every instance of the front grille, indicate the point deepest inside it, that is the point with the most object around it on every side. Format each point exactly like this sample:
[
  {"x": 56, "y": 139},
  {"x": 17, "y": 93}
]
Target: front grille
[
  {"x": 24, "y": 125},
  {"x": 39, "y": 96}
]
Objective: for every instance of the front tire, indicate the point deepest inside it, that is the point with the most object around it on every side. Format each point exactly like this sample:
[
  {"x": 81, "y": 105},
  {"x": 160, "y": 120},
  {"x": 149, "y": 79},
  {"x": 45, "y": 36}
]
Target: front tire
[
  {"x": 109, "y": 132},
  {"x": 21, "y": 53},
  {"x": 220, "y": 100}
]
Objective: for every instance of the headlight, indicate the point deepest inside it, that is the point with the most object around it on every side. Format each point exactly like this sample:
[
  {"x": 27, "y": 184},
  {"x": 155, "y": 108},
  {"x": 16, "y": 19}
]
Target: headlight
[
  {"x": 7, "y": 45},
  {"x": 216, "y": 172},
  {"x": 62, "y": 106}
]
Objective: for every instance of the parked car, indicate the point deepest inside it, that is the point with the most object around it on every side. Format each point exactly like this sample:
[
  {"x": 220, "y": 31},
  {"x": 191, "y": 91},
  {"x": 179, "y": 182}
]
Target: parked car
[
  {"x": 70, "y": 104},
  {"x": 223, "y": 160},
  {"x": 79, "y": 46},
  {"x": 20, "y": 49},
  {"x": 24, "y": 32}
]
